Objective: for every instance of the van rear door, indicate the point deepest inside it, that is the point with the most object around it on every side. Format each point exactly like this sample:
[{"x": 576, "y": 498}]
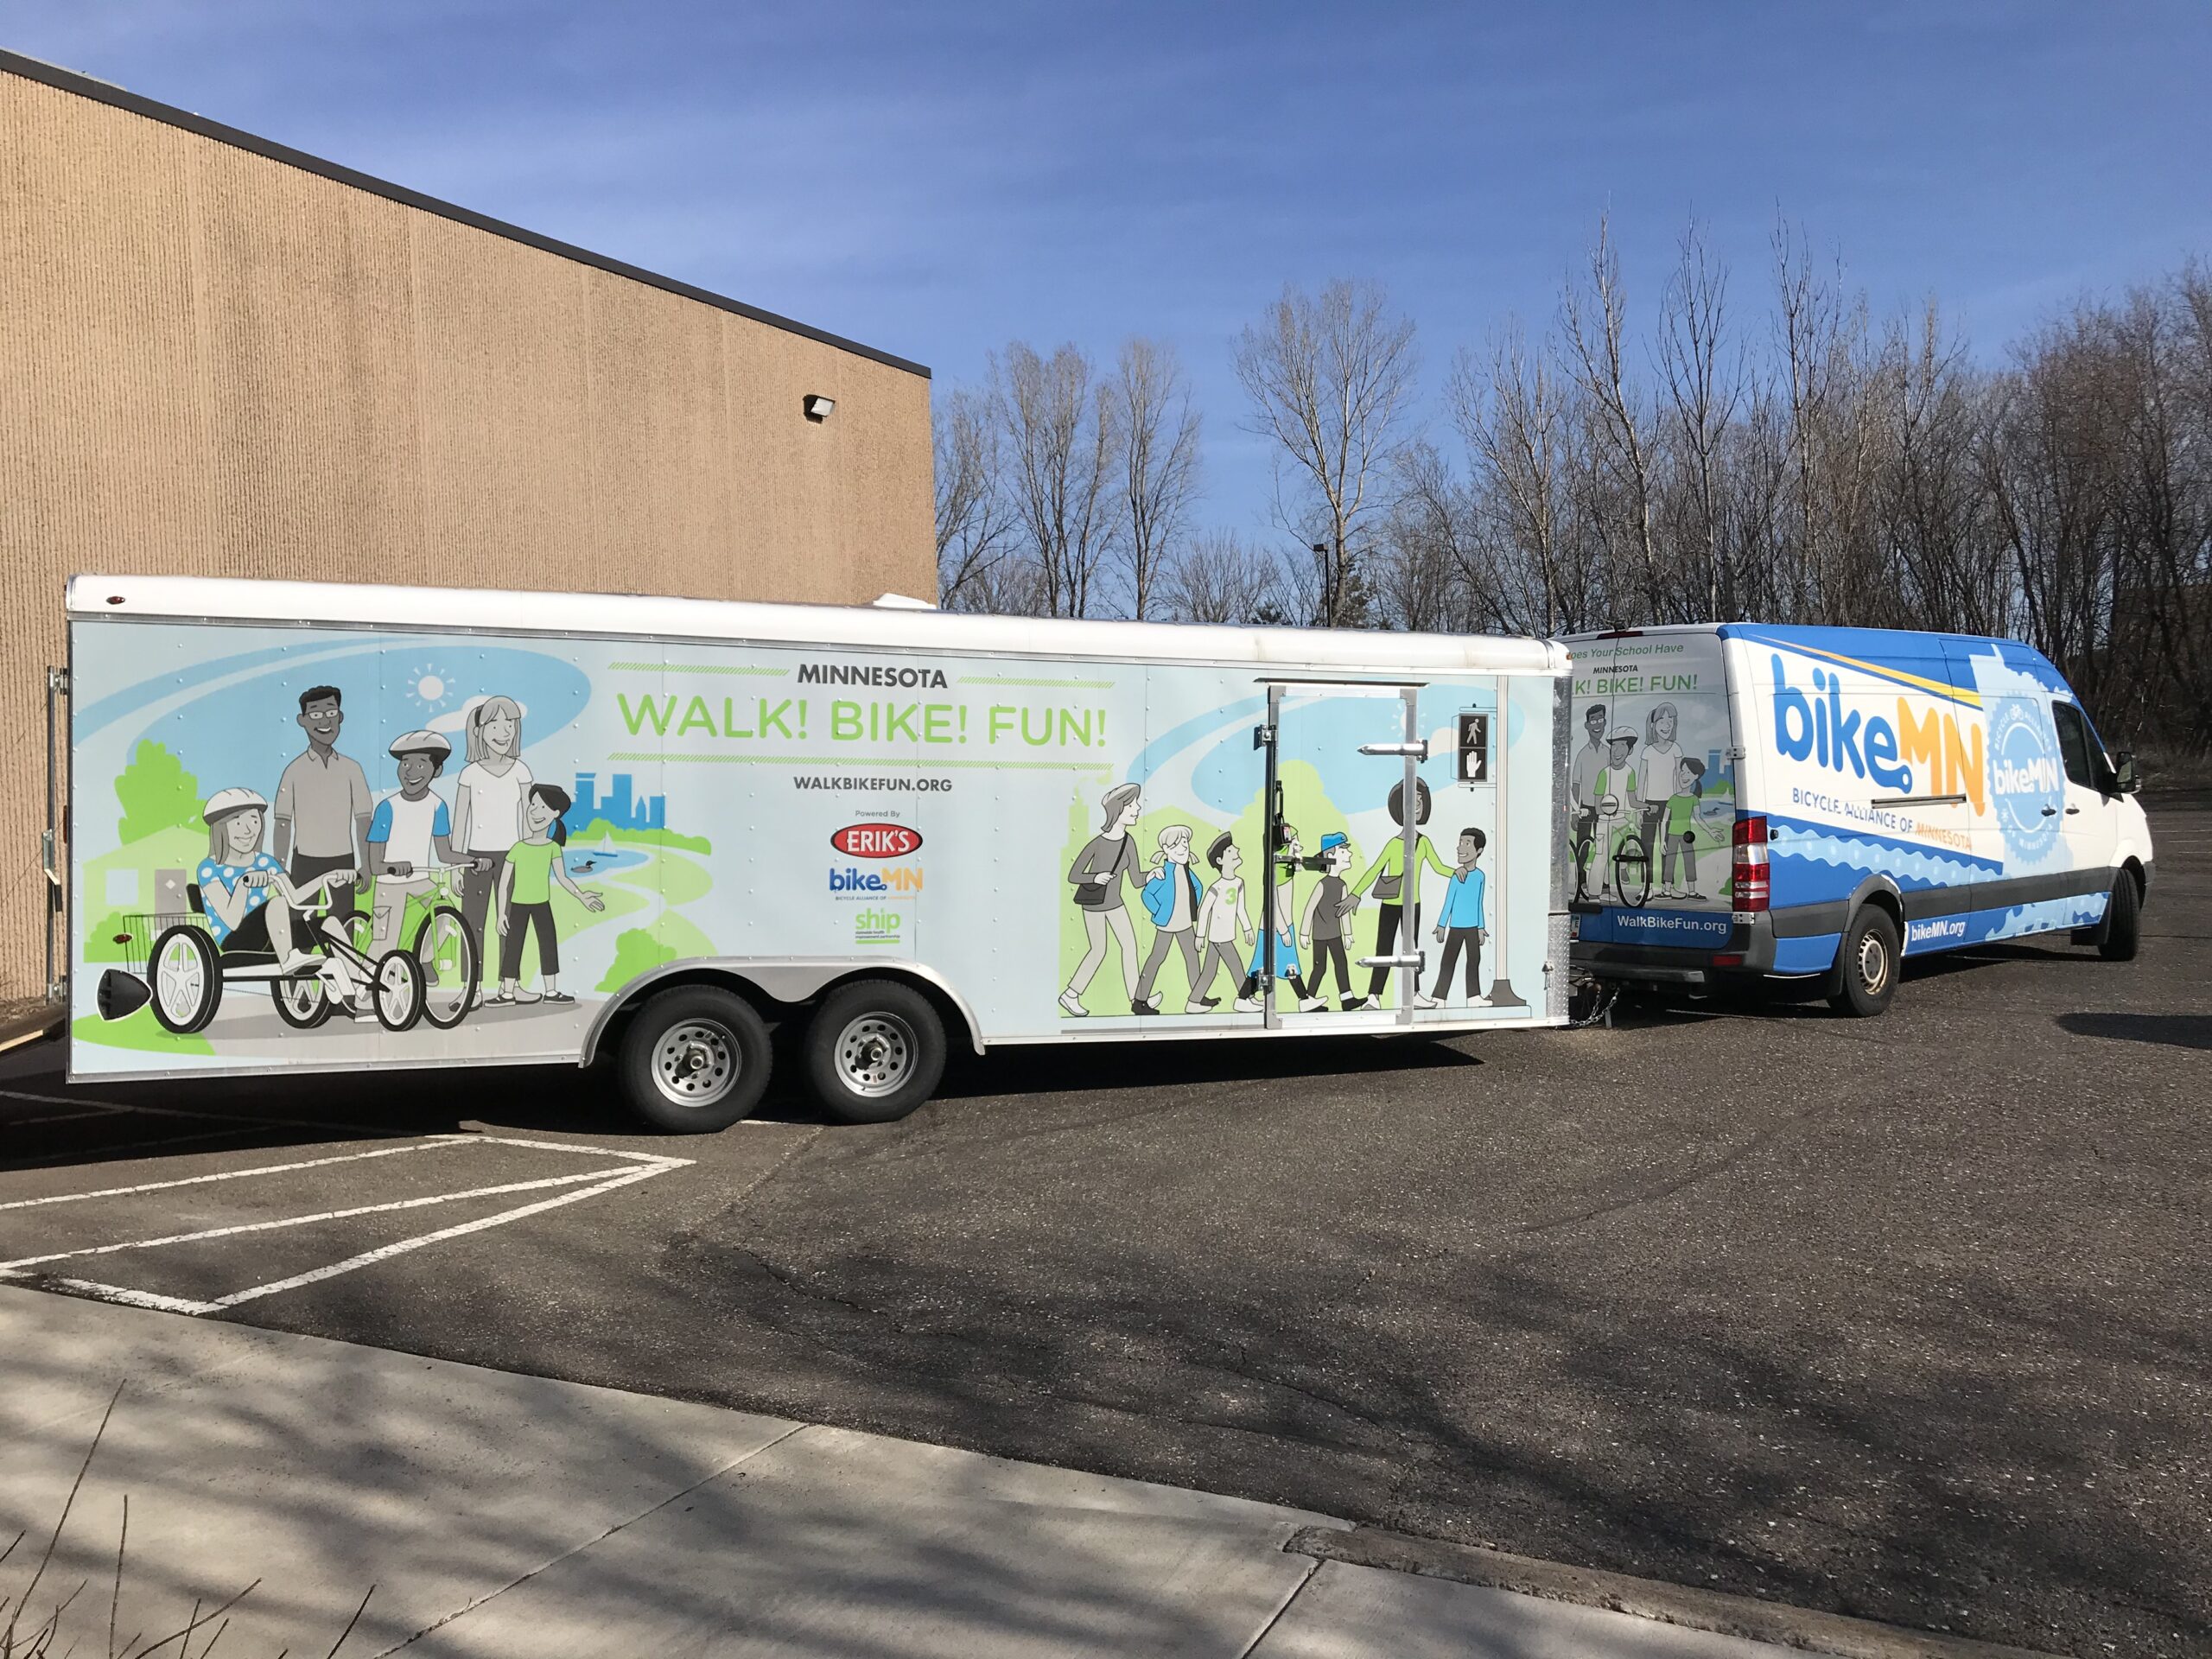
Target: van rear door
[{"x": 1651, "y": 789}]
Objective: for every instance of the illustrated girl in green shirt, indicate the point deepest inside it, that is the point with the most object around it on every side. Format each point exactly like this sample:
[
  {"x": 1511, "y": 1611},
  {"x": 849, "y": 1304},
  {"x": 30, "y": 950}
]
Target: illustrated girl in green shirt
[
  {"x": 526, "y": 896},
  {"x": 1387, "y": 876}
]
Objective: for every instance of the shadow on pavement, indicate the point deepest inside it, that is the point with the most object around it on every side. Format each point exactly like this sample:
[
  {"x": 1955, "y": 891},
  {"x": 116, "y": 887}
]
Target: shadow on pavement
[{"x": 2178, "y": 1030}]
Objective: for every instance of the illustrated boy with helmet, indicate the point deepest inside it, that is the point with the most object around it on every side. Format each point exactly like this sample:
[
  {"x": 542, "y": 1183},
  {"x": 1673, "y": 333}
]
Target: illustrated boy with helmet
[{"x": 405, "y": 832}]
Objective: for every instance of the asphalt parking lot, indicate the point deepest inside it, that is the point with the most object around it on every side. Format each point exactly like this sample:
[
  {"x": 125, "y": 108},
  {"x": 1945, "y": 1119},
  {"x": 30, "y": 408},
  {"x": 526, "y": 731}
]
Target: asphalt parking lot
[{"x": 1909, "y": 1318}]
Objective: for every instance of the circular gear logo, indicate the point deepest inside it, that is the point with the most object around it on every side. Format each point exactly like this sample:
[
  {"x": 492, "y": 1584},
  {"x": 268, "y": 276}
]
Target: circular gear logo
[{"x": 2026, "y": 785}]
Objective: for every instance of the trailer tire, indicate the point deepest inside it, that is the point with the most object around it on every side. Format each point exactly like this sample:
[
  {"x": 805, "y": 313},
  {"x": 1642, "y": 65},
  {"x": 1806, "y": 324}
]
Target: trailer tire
[
  {"x": 1866, "y": 965},
  {"x": 2123, "y": 929},
  {"x": 695, "y": 1059},
  {"x": 875, "y": 1051}
]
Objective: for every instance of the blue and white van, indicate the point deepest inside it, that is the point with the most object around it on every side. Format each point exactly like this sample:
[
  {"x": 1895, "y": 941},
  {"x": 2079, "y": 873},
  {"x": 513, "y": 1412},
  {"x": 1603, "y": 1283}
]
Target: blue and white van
[{"x": 1745, "y": 801}]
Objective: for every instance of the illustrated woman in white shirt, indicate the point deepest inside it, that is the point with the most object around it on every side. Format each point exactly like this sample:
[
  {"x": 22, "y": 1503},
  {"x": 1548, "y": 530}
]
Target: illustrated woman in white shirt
[{"x": 487, "y": 805}]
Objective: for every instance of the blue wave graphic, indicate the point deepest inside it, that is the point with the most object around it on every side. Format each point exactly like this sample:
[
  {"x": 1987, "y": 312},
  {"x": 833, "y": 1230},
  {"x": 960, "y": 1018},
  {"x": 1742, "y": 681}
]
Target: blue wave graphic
[{"x": 1891, "y": 858}]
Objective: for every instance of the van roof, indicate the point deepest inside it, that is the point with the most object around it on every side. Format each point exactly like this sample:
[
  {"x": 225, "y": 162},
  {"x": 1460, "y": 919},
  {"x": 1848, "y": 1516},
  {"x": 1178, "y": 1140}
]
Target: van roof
[
  {"x": 886, "y": 628},
  {"x": 1806, "y": 632}
]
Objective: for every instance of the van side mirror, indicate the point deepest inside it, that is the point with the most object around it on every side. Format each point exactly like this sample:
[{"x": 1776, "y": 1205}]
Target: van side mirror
[{"x": 2126, "y": 776}]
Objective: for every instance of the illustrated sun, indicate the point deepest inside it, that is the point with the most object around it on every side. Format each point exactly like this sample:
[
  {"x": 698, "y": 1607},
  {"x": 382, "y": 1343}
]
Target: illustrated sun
[{"x": 429, "y": 686}]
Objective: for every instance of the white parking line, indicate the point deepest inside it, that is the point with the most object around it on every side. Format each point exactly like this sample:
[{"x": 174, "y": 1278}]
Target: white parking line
[
  {"x": 13, "y": 1269},
  {"x": 587, "y": 1184},
  {"x": 401, "y": 1247},
  {"x": 435, "y": 1144}
]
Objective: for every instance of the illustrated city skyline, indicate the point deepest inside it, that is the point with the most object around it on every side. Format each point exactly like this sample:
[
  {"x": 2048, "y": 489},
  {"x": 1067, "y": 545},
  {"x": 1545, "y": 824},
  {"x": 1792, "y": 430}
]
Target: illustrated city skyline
[{"x": 619, "y": 806}]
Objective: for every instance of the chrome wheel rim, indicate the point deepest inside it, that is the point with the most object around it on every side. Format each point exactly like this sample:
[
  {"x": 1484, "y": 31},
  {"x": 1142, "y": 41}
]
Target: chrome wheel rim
[
  {"x": 875, "y": 1055},
  {"x": 695, "y": 1063},
  {"x": 1873, "y": 964},
  {"x": 182, "y": 978}
]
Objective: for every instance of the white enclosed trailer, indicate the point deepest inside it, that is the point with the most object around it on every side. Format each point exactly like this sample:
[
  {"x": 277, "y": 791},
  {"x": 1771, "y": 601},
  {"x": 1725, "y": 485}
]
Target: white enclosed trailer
[{"x": 319, "y": 828}]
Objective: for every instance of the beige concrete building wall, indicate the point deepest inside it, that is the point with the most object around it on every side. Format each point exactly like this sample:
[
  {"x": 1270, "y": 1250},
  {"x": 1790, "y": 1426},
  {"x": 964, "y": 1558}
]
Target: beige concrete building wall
[{"x": 215, "y": 362}]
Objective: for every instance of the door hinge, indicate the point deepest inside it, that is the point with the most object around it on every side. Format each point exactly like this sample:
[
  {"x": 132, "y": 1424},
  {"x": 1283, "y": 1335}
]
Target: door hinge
[
  {"x": 57, "y": 681},
  {"x": 1263, "y": 735}
]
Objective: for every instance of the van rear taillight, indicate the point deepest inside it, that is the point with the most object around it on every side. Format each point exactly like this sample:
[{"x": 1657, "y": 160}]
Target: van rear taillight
[{"x": 1749, "y": 869}]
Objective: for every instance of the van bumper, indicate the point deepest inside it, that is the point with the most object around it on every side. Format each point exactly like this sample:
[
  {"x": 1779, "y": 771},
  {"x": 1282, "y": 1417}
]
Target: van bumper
[{"x": 1749, "y": 950}]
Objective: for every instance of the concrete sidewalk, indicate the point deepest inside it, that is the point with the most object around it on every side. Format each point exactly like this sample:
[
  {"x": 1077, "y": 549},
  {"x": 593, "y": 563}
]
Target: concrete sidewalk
[{"x": 503, "y": 1515}]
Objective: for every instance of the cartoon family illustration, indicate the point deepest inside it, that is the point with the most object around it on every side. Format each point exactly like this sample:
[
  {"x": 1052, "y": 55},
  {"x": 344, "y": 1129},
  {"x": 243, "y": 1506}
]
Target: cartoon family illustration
[
  {"x": 1211, "y": 924},
  {"x": 499, "y": 843},
  {"x": 1648, "y": 800}
]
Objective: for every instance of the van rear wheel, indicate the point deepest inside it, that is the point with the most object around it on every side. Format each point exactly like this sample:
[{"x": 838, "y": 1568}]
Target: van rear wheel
[
  {"x": 874, "y": 1051},
  {"x": 2123, "y": 928},
  {"x": 1866, "y": 965},
  {"x": 695, "y": 1059}
]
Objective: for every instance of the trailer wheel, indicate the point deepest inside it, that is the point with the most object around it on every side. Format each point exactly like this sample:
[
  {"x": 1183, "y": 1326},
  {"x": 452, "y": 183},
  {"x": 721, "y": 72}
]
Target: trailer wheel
[
  {"x": 874, "y": 1051},
  {"x": 695, "y": 1059},
  {"x": 2123, "y": 927},
  {"x": 1866, "y": 965}
]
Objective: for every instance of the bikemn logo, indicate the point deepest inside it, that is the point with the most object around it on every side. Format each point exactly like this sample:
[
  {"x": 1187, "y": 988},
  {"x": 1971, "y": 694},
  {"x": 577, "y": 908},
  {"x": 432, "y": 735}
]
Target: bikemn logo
[{"x": 2026, "y": 785}]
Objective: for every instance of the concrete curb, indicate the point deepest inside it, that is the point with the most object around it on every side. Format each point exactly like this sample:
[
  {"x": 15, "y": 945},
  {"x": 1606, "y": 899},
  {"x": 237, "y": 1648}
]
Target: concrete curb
[{"x": 1668, "y": 1603}]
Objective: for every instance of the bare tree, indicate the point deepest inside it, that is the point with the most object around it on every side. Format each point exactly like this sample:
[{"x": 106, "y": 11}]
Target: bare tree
[
  {"x": 1159, "y": 453},
  {"x": 1516, "y": 419},
  {"x": 1063, "y": 440},
  {"x": 1219, "y": 577},
  {"x": 1329, "y": 376},
  {"x": 1618, "y": 484},
  {"x": 1704, "y": 386},
  {"x": 973, "y": 523}
]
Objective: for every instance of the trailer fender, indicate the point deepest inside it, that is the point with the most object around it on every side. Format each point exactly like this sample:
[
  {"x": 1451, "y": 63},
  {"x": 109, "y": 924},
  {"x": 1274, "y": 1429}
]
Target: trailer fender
[{"x": 781, "y": 979}]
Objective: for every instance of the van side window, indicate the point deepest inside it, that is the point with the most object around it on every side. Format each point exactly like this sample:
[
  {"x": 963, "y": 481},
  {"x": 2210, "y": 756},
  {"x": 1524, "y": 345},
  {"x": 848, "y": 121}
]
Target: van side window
[{"x": 2075, "y": 746}]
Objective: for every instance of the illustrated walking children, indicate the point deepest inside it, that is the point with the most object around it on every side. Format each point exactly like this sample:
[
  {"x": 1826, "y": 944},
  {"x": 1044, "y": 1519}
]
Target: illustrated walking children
[
  {"x": 1107, "y": 860},
  {"x": 407, "y": 830},
  {"x": 1461, "y": 925},
  {"x": 1171, "y": 898},
  {"x": 1288, "y": 852},
  {"x": 526, "y": 879},
  {"x": 323, "y": 805},
  {"x": 1321, "y": 929},
  {"x": 1222, "y": 924},
  {"x": 1399, "y": 907},
  {"x": 252, "y": 904},
  {"x": 1682, "y": 829},
  {"x": 488, "y": 803}
]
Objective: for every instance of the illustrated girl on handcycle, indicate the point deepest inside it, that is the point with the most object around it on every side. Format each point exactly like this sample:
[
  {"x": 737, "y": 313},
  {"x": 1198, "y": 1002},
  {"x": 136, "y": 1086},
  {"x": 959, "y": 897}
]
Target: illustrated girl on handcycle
[{"x": 251, "y": 904}]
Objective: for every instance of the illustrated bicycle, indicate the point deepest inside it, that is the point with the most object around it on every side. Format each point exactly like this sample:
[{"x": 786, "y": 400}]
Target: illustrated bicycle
[{"x": 434, "y": 978}]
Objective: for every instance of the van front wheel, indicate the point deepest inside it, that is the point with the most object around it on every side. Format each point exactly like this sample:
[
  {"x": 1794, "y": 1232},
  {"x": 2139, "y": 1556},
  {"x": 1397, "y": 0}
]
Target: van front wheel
[
  {"x": 2123, "y": 921},
  {"x": 874, "y": 1051},
  {"x": 1866, "y": 966}
]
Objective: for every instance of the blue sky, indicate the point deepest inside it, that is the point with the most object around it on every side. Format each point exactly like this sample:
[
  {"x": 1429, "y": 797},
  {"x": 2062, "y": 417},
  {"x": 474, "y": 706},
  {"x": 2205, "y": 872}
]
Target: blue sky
[{"x": 939, "y": 180}]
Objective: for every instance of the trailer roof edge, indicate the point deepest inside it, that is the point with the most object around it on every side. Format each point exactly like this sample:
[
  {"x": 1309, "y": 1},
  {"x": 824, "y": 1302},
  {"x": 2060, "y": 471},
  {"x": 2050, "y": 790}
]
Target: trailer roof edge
[{"x": 857, "y": 628}]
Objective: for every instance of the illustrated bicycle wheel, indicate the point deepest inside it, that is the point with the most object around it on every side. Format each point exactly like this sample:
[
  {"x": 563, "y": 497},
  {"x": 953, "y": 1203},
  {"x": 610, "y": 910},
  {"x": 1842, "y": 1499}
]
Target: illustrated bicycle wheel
[
  {"x": 1632, "y": 873},
  {"x": 302, "y": 1003},
  {"x": 445, "y": 949},
  {"x": 398, "y": 990},
  {"x": 1582, "y": 850},
  {"x": 182, "y": 972}
]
